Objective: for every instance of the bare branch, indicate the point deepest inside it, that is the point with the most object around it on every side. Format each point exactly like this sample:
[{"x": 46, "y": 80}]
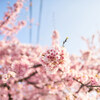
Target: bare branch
[
  {"x": 26, "y": 78},
  {"x": 36, "y": 66},
  {"x": 85, "y": 85},
  {"x": 8, "y": 87},
  {"x": 65, "y": 41}
]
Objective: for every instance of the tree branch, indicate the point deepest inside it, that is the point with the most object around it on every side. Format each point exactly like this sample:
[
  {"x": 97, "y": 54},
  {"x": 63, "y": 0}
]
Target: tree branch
[
  {"x": 26, "y": 78},
  {"x": 8, "y": 87},
  {"x": 85, "y": 85},
  {"x": 36, "y": 66},
  {"x": 20, "y": 80},
  {"x": 4, "y": 21},
  {"x": 32, "y": 74}
]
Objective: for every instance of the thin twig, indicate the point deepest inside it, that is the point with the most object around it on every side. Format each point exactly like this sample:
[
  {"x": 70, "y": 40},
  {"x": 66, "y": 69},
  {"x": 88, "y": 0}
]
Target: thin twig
[
  {"x": 26, "y": 78},
  {"x": 36, "y": 66},
  {"x": 85, "y": 85},
  {"x": 64, "y": 41}
]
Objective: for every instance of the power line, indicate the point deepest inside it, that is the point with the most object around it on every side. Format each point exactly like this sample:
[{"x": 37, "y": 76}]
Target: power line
[
  {"x": 30, "y": 29},
  {"x": 40, "y": 14}
]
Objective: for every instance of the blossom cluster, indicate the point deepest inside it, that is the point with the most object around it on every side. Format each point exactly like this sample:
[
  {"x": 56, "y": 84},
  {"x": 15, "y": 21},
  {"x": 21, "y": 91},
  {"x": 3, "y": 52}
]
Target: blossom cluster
[
  {"x": 30, "y": 72},
  {"x": 54, "y": 59},
  {"x": 9, "y": 26}
]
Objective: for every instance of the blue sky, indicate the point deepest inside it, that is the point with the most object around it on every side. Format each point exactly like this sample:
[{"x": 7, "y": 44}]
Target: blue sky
[{"x": 72, "y": 18}]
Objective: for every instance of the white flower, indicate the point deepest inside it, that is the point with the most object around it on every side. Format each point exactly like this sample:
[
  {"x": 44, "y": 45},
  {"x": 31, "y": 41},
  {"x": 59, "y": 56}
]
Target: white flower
[
  {"x": 11, "y": 73},
  {"x": 5, "y": 77}
]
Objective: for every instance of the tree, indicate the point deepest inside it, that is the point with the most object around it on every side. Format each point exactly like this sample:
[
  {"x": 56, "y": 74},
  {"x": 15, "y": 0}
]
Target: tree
[{"x": 36, "y": 73}]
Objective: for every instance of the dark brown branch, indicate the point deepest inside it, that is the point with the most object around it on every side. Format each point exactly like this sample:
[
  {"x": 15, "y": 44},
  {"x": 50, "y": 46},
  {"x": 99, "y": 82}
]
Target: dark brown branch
[
  {"x": 93, "y": 86},
  {"x": 20, "y": 80},
  {"x": 10, "y": 97},
  {"x": 85, "y": 85},
  {"x": 82, "y": 85},
  {"x": 90, "y": 89},
  {"x": 5, "y": 85},
  {"x": 80, "y": 88},
  {"x": 8, "y": 87},
  {"x": 32, "y": 74},
  {"x": 77, "y": 81},
  {"x": 36, "y": 66},
  {"x": 33, "y": 83},
  {"x": 26, "y": 78},
  {"x": 4, "y": 21}
]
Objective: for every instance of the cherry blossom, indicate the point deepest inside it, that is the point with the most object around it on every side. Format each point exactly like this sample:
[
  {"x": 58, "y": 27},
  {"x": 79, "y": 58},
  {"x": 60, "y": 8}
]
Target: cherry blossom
[{"x": 29, "y": 72}]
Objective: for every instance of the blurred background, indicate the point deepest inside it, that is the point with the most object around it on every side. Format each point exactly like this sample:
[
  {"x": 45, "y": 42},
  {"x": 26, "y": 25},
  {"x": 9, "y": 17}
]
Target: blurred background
[{"x": 72, "y": 18}]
